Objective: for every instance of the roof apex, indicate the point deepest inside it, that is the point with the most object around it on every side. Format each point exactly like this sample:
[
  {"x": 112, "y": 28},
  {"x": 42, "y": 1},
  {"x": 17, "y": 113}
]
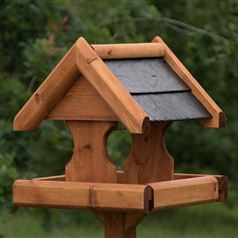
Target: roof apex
[{"x": 81, "y": 59}]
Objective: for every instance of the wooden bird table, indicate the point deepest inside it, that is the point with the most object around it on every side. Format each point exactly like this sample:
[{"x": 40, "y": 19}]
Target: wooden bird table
[{"x": 143, "y": 86}]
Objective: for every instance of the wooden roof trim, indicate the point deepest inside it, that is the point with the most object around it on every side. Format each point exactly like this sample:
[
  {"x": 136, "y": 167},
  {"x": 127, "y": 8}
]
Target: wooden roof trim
[
  {"x": 48, "y": 94},
  {"x": 131, "y": 50},
  {"x": 109, "y": 87},
  {"x": 218, "y": 118}
]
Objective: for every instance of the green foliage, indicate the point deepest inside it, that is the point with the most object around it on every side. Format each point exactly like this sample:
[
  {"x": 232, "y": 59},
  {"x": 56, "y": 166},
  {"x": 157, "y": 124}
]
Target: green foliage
[{"x": 35, "y": 35}]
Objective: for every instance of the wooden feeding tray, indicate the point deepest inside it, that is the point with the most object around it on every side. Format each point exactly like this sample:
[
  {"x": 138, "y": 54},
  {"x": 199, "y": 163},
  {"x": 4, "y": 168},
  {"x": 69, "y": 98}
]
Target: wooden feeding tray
[
  {"x": 144, "y": 87},
  {"x": 184, "y": 190}
]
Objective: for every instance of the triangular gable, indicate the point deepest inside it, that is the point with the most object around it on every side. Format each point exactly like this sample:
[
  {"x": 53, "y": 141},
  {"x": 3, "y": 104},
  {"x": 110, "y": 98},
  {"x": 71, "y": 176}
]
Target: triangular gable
[
  {"x": 82, "y": 102},
  {"x": 81, "y": 59}
]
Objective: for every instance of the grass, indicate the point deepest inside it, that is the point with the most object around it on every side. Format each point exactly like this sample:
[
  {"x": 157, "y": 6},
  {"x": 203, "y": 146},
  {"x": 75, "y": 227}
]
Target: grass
[{"x": 202, "y": 221}]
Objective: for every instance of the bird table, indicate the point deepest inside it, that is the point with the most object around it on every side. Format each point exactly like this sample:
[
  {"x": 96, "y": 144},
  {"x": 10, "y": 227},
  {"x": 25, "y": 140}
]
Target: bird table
[{"x": 93, "y": 88}]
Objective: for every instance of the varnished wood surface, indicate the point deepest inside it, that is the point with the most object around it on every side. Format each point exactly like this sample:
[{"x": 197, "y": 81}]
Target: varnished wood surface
[
  {"x": 222, "y": 183},
  {"x": 90, "y": 162},
  {"x": 185, "y": 192},
  {"x": 108, "y": 86},
  {"x": 82, "y": 102},
  {"x": 59, "y": 194},
  {"x": 48, "y": 94},
  {"x": 128, "y": 50},
  {"x": 149, "y": 160}
]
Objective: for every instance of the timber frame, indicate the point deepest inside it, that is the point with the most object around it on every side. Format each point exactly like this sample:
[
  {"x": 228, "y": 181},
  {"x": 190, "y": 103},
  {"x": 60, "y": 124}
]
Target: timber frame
[{"x": 119, "y": 199}]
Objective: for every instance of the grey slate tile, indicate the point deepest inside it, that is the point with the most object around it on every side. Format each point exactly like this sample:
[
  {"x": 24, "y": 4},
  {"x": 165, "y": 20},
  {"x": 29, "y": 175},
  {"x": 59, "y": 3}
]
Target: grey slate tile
[
  {"x": 146, "y": 75},
  {"x": 172, "y": 106}
]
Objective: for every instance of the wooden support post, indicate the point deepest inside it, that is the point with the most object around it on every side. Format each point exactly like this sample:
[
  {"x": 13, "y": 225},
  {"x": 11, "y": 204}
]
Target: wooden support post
[
  {"x": 120, "y": 225},
  {"x": 149, "y": 160},
  {"x": 90, "y": 162}
]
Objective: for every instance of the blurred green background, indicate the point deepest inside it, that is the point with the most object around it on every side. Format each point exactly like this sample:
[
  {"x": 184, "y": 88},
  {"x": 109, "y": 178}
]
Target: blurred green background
[{"x": 36, "y": 34}]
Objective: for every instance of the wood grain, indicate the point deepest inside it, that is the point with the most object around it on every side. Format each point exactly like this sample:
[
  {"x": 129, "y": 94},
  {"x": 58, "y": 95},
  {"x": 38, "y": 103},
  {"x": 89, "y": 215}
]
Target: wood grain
[
  {"x": 149, "y": 160},
  {"x": 129, "y": 50},
  {"x": 185, "y": 192},
  {"x": 89, "y": 162},
  {"x": 218, "y": 117},
  {"x": 48, "y": 94},
  {"x": 222, "y": 183},
  {"x": 108, "y": 86},
  {"x": 60, "y": 194},
  {"x": 82, "y": 102}
]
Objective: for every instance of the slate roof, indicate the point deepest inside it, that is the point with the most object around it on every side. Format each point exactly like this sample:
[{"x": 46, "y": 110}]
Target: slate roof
[{"x": 158, "y": 89}]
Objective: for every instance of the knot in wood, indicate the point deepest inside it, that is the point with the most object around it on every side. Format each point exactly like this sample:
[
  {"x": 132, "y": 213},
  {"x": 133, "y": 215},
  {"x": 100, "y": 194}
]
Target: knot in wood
[
  {"x": 86, "y": 146},
  {"x": 91, "y": 59},
  {"x": 38, "y": 98}
]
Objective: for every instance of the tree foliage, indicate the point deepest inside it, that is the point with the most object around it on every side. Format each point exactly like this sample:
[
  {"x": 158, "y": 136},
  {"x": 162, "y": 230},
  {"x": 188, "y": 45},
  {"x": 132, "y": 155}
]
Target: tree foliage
[{"x": 35, "y": 35}]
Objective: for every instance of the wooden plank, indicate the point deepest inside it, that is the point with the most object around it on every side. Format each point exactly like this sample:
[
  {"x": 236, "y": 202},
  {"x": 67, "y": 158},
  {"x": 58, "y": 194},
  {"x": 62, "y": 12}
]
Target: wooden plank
[
  {"x": 218, "y": 116},
  {"x": 81, "y": 195},
  {"x": 82, "y": 102},
  {"x": 90, "y": 162},
  {"x": 149, "y": 160},
  {"x": 109, "y": 87},
  {"x": 222, "y": 183},
  {"x": 48, "y": 94},
  {"x": 185, "y": 192},
  {"x": 129, "y": 50}
]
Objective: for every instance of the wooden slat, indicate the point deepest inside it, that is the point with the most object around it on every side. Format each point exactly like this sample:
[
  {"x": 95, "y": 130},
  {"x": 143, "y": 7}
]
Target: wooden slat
[
  {"x": 184, "y": 192},
  {"x": 81, "y": 195},
  {"x": 218, "y": 117},
  {"x": 48, "y": 94},
  {"x": 129, "y": 50},
  {"x": 82, "y": 102},
  {"x": 222, "y": 183},
  {"x": 108, "y": 86}
]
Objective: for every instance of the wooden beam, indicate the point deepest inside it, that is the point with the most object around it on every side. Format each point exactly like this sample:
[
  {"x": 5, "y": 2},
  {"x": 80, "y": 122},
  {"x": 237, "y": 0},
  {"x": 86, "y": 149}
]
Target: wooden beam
[
  {"x": 60, "y": 194},
  {"x": 109, "y": 87},
  {"x": 185, "y": 192},
  {"x": 131, "y": 50},
  {"x": 222, "y": 183},
  {"x": 48, "y": 94},
  {"x": 218, "y": 118}
]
